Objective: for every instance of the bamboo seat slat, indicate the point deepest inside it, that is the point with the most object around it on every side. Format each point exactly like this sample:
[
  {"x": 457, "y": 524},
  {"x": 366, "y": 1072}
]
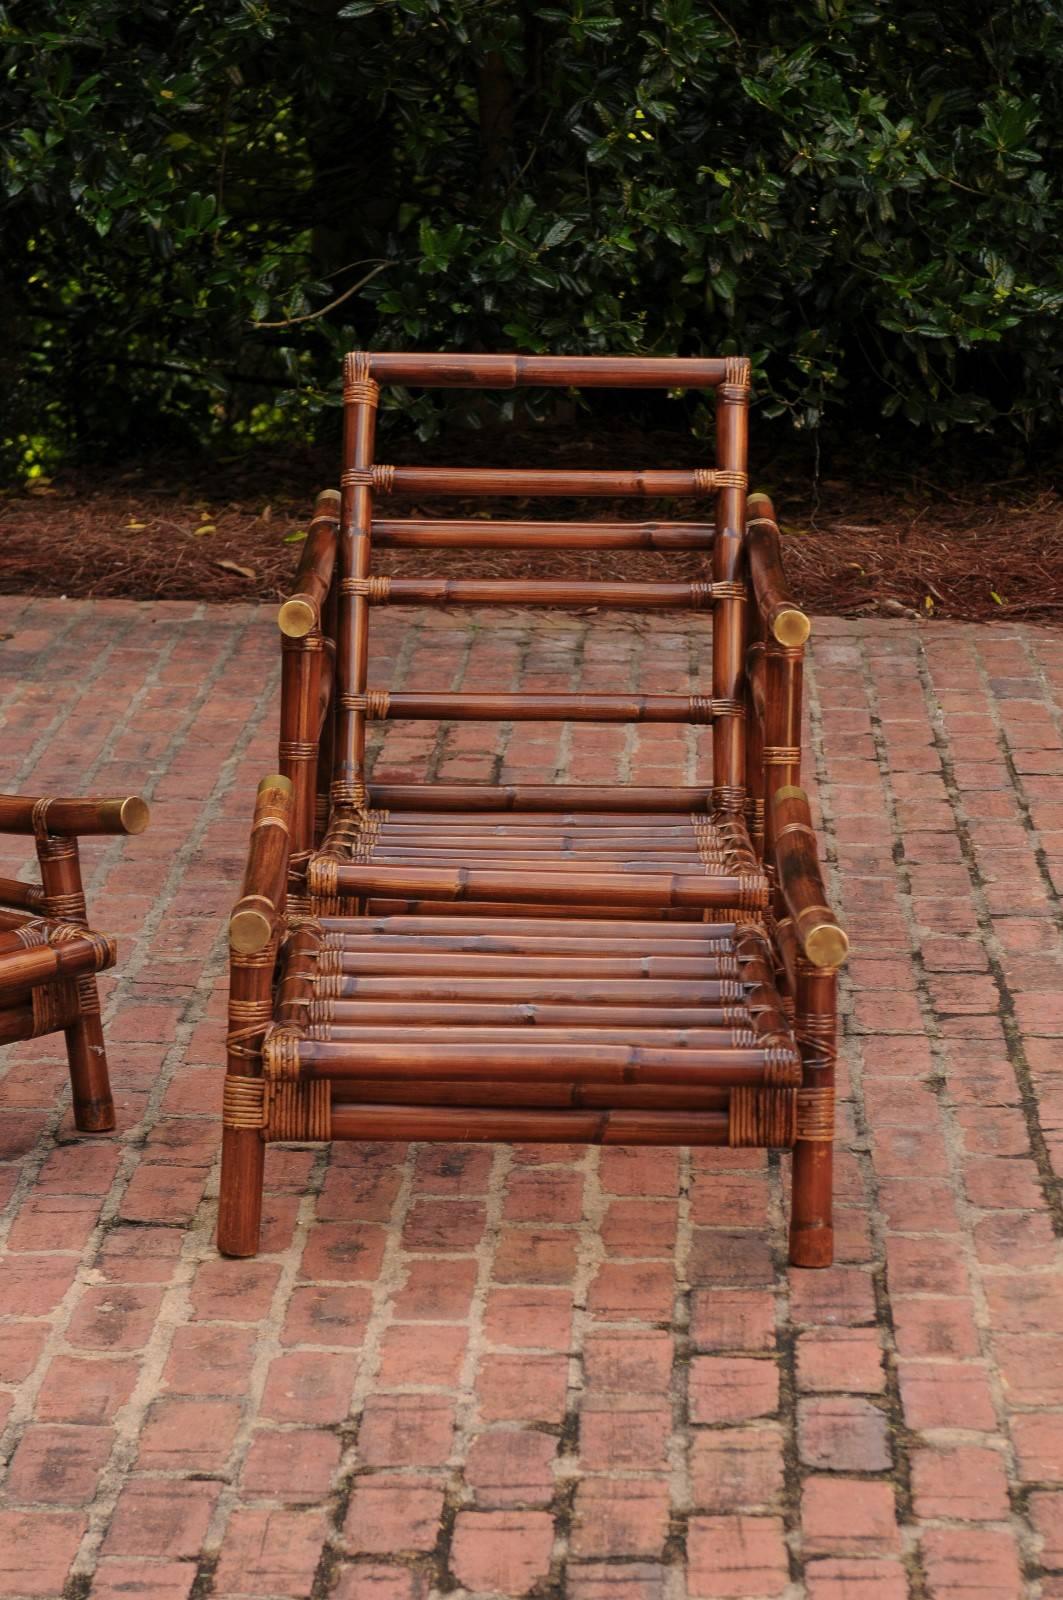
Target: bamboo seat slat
[
  {"x": 525, "y": 945},
  {"x": 525, "y": 1014},
  {"x": 724, "y": 1067},
  {"x": 429, "y": 963},
  {"x": 533, "y": 927},
  {"x": 585, "y": 991},
  {"x": 573, "y": 888},
  {"x": 600, "y": 963}
]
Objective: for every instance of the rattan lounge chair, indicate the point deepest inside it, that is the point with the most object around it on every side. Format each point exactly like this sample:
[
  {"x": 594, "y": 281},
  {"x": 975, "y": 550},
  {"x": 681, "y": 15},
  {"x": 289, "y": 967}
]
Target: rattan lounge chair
[
  {"x": 48, "y": 955},
  {"x": 467, "y": 962}
]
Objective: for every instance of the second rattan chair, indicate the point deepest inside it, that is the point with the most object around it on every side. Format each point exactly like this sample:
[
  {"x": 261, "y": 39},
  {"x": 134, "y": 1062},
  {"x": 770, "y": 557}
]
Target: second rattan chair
[{"x": 470, "y": 962}]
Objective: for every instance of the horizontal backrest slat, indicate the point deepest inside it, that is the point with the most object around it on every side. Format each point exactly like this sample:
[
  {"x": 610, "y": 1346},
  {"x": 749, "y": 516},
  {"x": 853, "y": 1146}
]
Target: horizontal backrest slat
[
  {"x": 687, "y": 596},
  {"x": 476, "y": 534},
  {"x": 446, "y": 370},
  {"x": 543, "y": 481}
]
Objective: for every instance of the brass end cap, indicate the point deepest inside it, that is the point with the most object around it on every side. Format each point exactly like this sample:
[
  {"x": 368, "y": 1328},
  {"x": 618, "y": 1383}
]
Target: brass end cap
[
  {"x": 791, "y": 627},
  {"x": 134, "y": 814},
  {"x": 276, "y": 780},
  {"x": 327, "y": 503},
  {"x": 249, "y": 932},
  {"x": 297, "y": 617},
  {"x": 759, "y": 504},
  {"x": 826, "y": 945}
]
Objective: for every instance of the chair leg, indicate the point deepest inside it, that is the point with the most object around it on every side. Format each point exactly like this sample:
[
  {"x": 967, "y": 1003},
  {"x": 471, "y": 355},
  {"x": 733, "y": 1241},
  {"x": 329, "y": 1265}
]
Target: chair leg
[
  {"x": 811, "y": 1213},
  {"x": 243, "y": 1153},
  {"x": 811, "y": 1229},
  {"x": 243, "y": 1148},
  {"x": 89, "y": 1079}
]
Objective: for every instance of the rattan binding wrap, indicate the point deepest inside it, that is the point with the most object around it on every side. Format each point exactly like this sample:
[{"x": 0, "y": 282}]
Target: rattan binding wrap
[
  {"x": 762, "y": 1118},
  {"x": 243, "y": 1102}
]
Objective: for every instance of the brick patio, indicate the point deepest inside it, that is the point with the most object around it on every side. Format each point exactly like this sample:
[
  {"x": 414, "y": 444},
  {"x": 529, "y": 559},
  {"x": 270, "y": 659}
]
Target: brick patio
[{"x": 495, "y": 1370}]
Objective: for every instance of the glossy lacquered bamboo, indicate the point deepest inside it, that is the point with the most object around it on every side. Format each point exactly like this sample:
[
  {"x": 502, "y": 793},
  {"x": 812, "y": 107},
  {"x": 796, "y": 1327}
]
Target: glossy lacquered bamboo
[
  {"x": 255, "y": 918},
  {"x": 479, "y": 1013},
  {"x": 543, "y": 1096},
  {"x": 583, "y": 991},
  {"x": 301, "y": 613},
  {"x": 27, "y": 969},
  {"x": 726, "y": 1067},
  {"x": 811, "y": 1218},
  {"x": 645, "y": 948},
  {"x": 532, "y": 962},
  {"x": 693, "y": 596},
  {"x": 31, "y": 814},
  {"x": 573, "y": 888},
  {"x": 822, "y": 939},
  {"x": 548, "y": 482},
  {"x": 483, "y": 1126},
  {"x": 533, "y": 928},
  {"x": 782, "y": 619},
  {"x": 253, "y": 932},
  {"x": 64, "y": 901},
  {"x": 434, "y": 706},
  {"x": 464, "y": 963},
  {"x": 352, "y": 609},
  {"x": 28, "y": 896},
  {"x": 560, "y": 798},
  {"x": 302, "y": 659},
  {"x": 730, "y": 620},
  {"x": 477, "y": 534},
  {"x": 673, "y": 1039},
  {"x": 17, "y": 1021},
  {"x": 445, "y": 370}
]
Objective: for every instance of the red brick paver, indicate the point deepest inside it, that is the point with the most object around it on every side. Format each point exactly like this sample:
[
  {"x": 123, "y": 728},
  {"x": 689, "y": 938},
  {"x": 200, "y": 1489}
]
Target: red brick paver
[{"x": 542, "y": 1370}]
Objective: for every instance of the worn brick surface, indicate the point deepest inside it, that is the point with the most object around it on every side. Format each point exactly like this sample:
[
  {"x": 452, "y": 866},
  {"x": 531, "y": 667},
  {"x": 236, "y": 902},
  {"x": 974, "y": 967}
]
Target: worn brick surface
[{"x": 543, "y": 1370}]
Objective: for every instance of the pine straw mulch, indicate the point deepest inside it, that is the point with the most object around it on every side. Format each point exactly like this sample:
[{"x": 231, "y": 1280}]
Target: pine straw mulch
[{"x": 229, "y": 532}]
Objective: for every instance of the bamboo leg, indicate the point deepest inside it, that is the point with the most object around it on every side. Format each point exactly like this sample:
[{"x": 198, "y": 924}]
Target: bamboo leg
[
  {"x": 243, "y": 1148},
  {"x": 254, "y": 934},
  {"x": 811, "y": 1219},
  {"x": 65, "y": 900}
]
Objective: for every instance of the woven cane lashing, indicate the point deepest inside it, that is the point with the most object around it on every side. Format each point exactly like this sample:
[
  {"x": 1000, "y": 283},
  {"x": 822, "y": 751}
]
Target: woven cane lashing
[
  {"x": 298, "y": 1110},
  {"x": 243, "y": 1102},
  {"x": 815, "y": 1114},
  {"x": 55, "y": 1006},
  {"x": 762, "y": 1118}
]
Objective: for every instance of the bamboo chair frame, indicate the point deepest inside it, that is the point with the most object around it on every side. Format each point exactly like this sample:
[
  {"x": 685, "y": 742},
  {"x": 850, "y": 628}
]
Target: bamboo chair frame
[
  {"x": 474, "y": 962},
  {"x": 49, "y": 956}
]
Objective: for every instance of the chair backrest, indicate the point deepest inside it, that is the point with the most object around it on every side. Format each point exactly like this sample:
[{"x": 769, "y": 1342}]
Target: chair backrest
[{"x": 365, "y": 482}]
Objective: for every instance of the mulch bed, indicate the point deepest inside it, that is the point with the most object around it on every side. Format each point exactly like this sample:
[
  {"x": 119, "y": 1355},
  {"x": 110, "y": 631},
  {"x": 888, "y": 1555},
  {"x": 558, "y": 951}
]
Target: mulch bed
[{"x": 230, "y": 532}]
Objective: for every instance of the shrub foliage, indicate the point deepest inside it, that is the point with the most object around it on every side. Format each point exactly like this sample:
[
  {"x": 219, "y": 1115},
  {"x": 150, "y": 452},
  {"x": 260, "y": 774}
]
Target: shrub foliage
[{"x": 204, "y": 201}]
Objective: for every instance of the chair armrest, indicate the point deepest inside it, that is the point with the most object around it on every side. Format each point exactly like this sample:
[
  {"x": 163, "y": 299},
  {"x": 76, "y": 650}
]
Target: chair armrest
[
  {"x": 257, "y": 914},
  {"x": 33, "y": 814},
  {"x": 300, "y": 614},
  {"x": 783, "y": 620},
  {"x": 820, "y": 936}
]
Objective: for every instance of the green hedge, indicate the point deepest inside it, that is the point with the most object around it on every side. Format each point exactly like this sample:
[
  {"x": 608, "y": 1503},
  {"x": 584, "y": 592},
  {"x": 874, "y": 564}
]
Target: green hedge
[{"x": 863, "y": 196}]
